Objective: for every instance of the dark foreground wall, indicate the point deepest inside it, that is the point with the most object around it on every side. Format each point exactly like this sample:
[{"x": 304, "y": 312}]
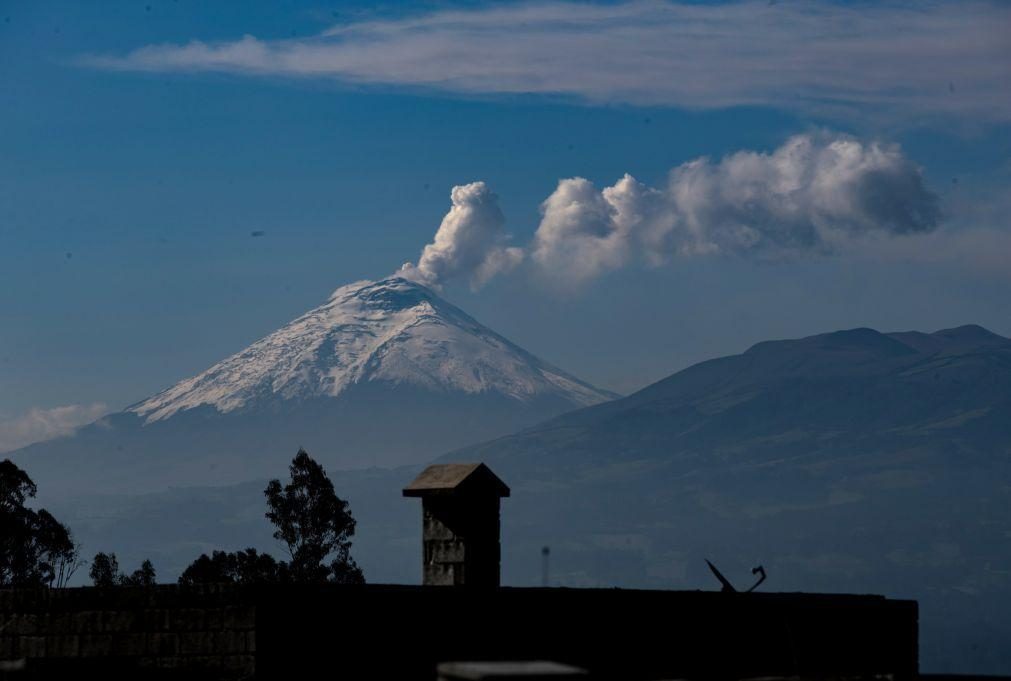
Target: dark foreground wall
[
  {"x": 402, "y": 632},
  {"x": 130, "y": 632}
]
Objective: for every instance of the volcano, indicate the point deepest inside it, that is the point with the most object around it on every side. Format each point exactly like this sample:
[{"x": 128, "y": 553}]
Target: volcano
[{"x": 384, "y": 373}]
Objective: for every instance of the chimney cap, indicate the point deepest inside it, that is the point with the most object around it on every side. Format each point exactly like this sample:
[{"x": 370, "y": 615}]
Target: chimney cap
[{"x": 453, "y": 478}]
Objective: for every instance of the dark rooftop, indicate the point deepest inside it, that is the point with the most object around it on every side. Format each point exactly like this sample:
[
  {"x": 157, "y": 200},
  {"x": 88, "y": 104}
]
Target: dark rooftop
[{"x": 448, "y": 478}]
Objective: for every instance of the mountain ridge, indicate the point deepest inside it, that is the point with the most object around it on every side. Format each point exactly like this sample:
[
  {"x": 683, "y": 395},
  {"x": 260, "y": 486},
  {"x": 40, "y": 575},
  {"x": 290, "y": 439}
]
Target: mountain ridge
[
  {"x": 895, "y": 346},
  {"x": 854, "y": 461}
]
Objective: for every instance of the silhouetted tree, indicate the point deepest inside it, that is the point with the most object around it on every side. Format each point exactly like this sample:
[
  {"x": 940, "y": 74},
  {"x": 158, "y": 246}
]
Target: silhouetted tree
[
  {"x": 314, "y": 523},
  {"x": 241, "y": 567},
  {"x": 105, "y": 572},
  {"x": 144, "y": 576},
  {"x": 35, "y": 548}
]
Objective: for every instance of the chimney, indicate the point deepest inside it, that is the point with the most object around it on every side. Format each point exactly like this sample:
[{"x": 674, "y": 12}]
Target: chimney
[{"x": 460, "y": 524}]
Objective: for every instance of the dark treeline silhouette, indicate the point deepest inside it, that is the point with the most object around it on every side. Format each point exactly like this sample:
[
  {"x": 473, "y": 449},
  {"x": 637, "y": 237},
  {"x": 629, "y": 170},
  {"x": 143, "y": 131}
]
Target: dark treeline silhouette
[
  {"x": 241, "y": 567},
  {"x": 315, "y": 526},
  {"x": 35, "y": 548},
  {"x": 105, "y": 572}
]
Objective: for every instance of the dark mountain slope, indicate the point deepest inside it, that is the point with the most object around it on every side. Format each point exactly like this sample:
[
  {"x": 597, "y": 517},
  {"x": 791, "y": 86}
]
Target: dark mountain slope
[
  {"x": 851, "y": 461},
  {"x": 838, "y": 393}
]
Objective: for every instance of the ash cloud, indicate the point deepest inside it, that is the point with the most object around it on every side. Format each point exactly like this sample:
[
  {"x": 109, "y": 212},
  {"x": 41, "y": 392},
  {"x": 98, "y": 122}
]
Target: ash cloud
[
  {"x": 471, "y": 242},
  {"x": 816, "y": 195},
  {"x": 812, "y": 195}
]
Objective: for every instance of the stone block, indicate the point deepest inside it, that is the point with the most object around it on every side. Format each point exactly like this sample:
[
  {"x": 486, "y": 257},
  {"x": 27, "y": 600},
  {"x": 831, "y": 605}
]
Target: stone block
[
  {"x": 162, "y": 643},
  {"x": 243, "y": 666},
  {"x": 119, "y": 621},
  {"x": 240, "y": 617},
  {"x": 23, "y": 624},
  {"x": 197, "y": 643},
  {"x": 446, "y": 551},
  {"x": 95, "y": 645},
  {"x": 230, "y": 642},
  {"x": 63, "y": 645},
  {"x": 214, "y": 619},
  {"x": 87, "y": 622},
  {"x": 31, "y": 646},
  {"x": 60, "y": 623},
  {"x": 41, "y": 623},
  {"x": 23, "y": 600},
  {"x": 202, "y": 663},
  {"x": 128, "y": 645},
  {"x": 169, "y": 662},
  {"x": 154, "y": 620},
  {"x": 433, "y": 529},
  {"x": 6, "y": 647},
  {"x": 250, "y": 641},
  {"x": 186, "y": 619},
  {"x": 440, "y": 574}
]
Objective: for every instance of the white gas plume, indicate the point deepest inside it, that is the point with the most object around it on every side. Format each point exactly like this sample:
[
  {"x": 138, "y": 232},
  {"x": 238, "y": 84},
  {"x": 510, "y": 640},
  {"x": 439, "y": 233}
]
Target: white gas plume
[
  {"x": 471, "y": 242},
  {"x": 811, "y": 195}
]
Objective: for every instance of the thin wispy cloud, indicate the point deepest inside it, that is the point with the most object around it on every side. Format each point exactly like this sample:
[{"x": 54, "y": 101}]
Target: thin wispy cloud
[
  {"x": 928, "y": 58},
  {"x": 36, "y": 425}
]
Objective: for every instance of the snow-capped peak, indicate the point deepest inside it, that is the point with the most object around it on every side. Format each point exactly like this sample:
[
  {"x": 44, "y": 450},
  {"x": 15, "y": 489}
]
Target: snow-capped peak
[{"x": 393, "y": 330}]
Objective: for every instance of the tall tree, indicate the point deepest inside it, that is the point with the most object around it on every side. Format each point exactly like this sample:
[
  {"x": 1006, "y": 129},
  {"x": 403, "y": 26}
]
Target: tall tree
[
  {"x": 35, "y": 548},
  {"x": 314, "y": 523}
]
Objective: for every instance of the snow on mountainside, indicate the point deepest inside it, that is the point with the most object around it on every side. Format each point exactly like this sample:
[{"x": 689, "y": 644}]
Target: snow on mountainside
[
  {"x": 383, "y": 374},
  {"x": 395, "y": 331}
]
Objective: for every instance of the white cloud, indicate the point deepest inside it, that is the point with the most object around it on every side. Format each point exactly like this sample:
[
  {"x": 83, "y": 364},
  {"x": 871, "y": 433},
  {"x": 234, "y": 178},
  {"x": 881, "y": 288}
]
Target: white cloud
[
  {"x": 817, "y": 194},
  {"x": 582, "y": 232},
  {"x": 814, "y": 194},
  {"x": 914, "y": 58},
  {"x": 38, "y": 424},
  {"x": 471, "y": 242}
]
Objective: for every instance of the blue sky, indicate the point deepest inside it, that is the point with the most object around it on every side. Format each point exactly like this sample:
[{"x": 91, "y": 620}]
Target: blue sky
[{"x": 135, "y": 165}]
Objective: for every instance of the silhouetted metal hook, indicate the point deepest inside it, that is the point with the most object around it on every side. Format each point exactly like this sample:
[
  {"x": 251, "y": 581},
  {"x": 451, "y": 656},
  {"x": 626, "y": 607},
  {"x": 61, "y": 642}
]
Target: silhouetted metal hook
[
  {"x": 728, "y": 587},
  {"x": 757, "y": 571}
]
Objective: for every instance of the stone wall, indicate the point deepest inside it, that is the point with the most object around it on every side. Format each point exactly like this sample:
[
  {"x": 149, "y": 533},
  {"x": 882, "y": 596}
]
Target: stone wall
[
  {"x": 403, "y": 632},
  {"x": 206, "y": 631},
  {"x": 460, "y": 541},
  {"x": 616, "y": 634}
]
